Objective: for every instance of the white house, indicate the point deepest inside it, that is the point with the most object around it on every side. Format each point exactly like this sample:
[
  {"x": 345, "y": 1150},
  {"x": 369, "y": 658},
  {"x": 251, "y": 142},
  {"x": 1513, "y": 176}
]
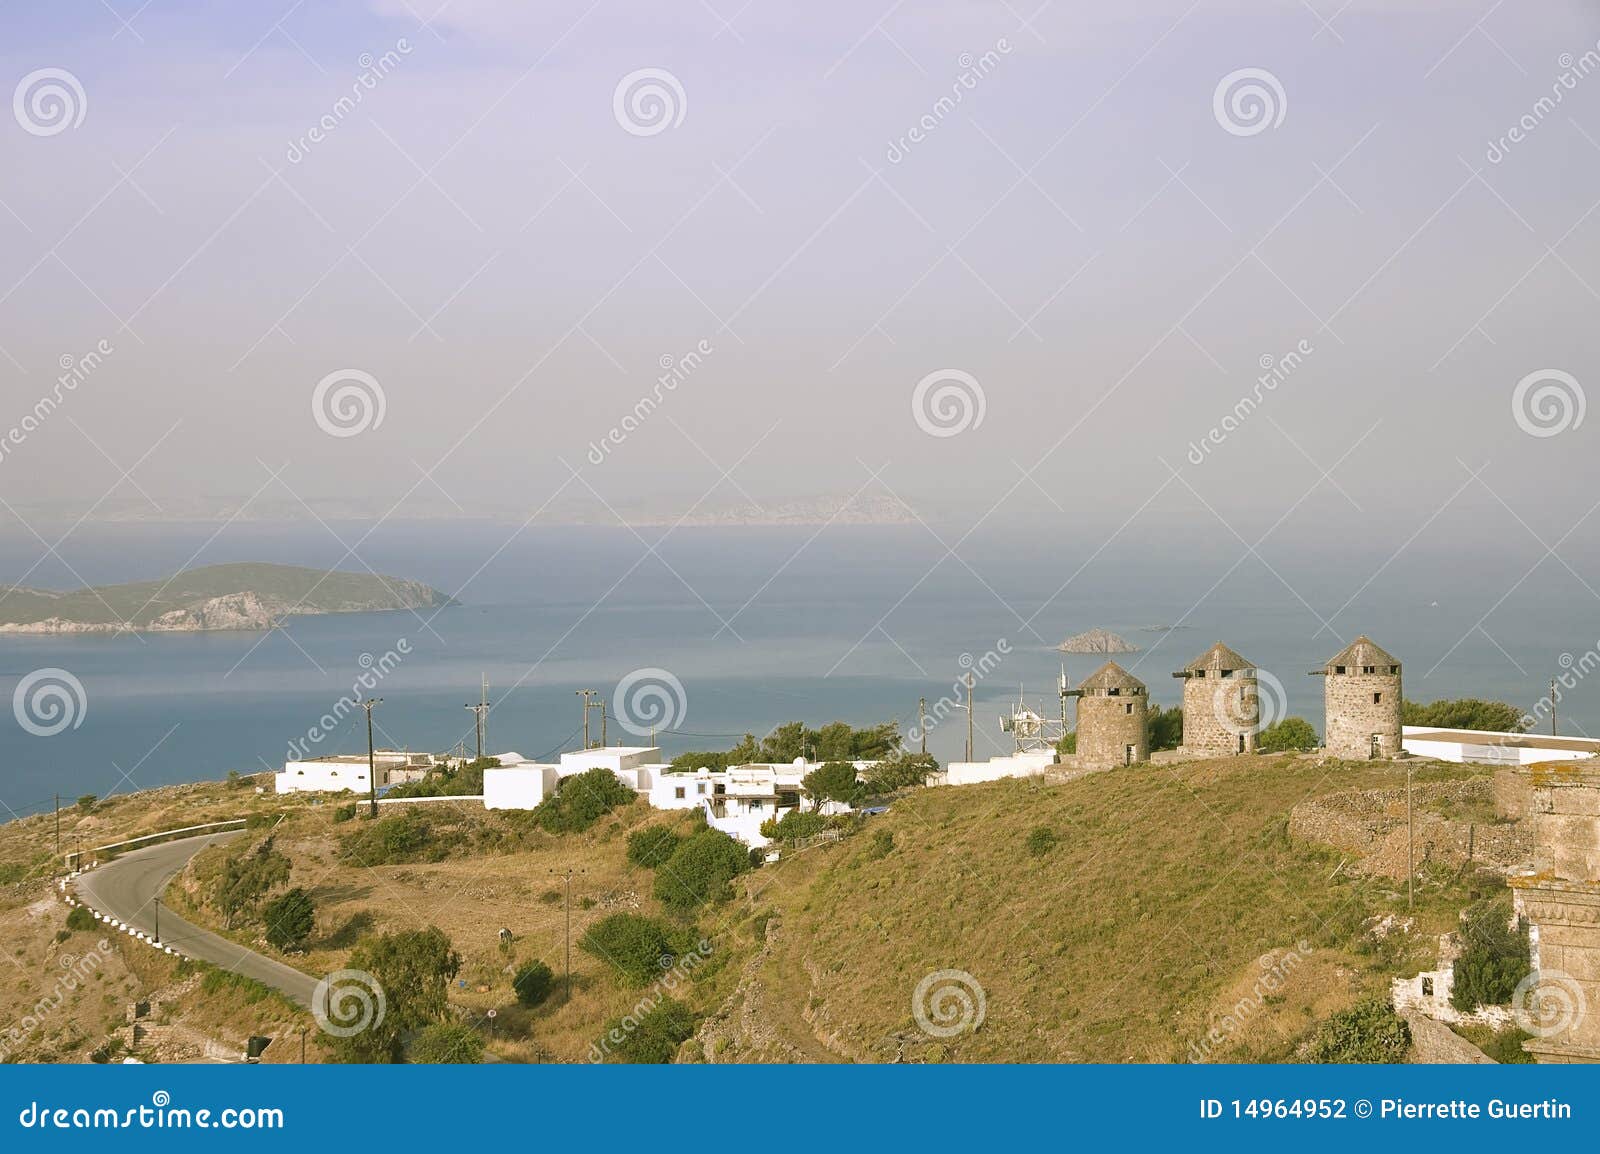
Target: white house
[
  {"x": 1492, "y": 748},
  {"x": 347, "y": 772},
  {"x": 1031, "y": 763}
]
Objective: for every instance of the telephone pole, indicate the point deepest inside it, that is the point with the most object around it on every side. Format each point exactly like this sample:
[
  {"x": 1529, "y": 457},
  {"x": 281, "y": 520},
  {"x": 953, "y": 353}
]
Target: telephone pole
[
  {"x": 922, "y": 721},
  {"x": 968, "y": 680},
  {"x": 569, "y": 871},
  {"x": 1553, "y": 707},
  {"x": 58, "y": 819},
  {"x": 1411, "y": 863},
  {"x": 479, "y": 710},
  {"x": 372, "y": 761},
  {"x": 157, "y": 911},
  {"x": 586, "y": 694},
  {"x": 603, "y": 738}
]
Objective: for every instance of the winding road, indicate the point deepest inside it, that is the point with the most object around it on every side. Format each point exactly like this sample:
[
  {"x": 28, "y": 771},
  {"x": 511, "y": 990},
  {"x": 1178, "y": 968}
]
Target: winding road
[{"x": 126, "y": 889}]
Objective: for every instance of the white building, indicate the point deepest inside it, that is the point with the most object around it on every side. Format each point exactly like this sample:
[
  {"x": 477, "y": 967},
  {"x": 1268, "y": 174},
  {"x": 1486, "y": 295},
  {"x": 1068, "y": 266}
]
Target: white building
[
  {"x": 347, "y": 772},
  {"x": 1491, "y": 748},
  {"x": 1031, "y": 763}
]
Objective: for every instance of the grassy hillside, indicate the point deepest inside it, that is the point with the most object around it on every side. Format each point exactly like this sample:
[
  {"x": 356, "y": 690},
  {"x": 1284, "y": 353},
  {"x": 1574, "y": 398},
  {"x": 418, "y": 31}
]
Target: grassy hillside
[{"x": 289, "y": 588}]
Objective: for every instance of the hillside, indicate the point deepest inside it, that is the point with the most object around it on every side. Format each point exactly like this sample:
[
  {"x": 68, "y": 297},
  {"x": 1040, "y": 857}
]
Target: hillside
[{"x": 249, "y": 595}]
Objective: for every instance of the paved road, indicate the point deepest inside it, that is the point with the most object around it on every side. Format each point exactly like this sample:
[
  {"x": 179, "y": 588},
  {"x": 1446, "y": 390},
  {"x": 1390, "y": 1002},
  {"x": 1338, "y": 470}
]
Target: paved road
[{"x": 126, "y": 889}]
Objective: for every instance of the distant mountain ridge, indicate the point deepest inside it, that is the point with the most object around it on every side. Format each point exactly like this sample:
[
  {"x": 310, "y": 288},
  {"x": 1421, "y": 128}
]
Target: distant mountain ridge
[{"x": 246, "y": 595}]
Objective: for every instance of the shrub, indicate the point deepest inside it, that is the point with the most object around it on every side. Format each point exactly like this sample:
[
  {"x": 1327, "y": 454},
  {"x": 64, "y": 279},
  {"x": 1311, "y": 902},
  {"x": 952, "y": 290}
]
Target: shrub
[
  {"x": 700, "y": 869},
  {"x": 533, "y": 983},
  {"x": 640, "y": 948},
  {"x": 290, "y": 918},
  {"x": 1068, "y": 744},
  {"x": 1467, "y": 713},
  {"x": 344, "y": 812},
  {"x": 881, "y": 845},
  {"x": 447, "y": 1042},
  {"x": 794, "y": 824},
  {"x": 1164, "y": 727},
  {"x": 412, "y": 968},
  {"x": 900, "y": 770},
  {"x": 1290, "y": 734},
  {"x": 651, "y": 1038},
  {"x": 1369, "y": 1032},
  {"x": 411, "y": 836},
  {"x": 79, "y": 918},
  {"x": 582, "y": 800},
  {"x": 651, "y": 846},
  {"x": 833, "y": 781},
  {"x": 1494, "y": 957},
  {"x": 87, "y": 802},
  {"x": 1041, "y": 840}
]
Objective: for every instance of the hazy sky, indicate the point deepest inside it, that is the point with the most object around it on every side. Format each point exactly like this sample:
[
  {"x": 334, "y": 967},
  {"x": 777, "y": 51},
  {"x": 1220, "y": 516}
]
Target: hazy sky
[{"x": 1093, "y": 239}]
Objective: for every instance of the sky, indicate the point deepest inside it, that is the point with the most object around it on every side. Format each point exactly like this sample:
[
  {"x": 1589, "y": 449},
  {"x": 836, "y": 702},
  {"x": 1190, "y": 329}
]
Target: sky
[{"x": 1011, "y": 263}]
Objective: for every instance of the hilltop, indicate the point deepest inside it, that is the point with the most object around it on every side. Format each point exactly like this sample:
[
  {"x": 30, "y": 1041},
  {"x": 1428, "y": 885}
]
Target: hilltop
[
  {"x": 1097, "y": 641},
  {"x": 246, "y": 595}
]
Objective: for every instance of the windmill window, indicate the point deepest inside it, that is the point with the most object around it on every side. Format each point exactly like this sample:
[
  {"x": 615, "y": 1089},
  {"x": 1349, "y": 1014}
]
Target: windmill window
[
  {"x": 1199, "y": 672},
  {"x": 1128, "y": 708},
  {"x": 1377, "y": 699},
  {"x": 1338, "y": 669},
  {"x": 1369, "y": 669},
  {"x": 1227, "y": 673}
]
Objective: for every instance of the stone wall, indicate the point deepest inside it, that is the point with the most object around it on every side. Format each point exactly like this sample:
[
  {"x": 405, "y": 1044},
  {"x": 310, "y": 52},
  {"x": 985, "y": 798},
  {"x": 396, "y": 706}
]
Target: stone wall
[
  {"x": 1108, "y": 725},
  {"x": 1434, "y": 1043},
  {"x": 1353, "y": 716},
  {"x": 1216, "y": 710}
]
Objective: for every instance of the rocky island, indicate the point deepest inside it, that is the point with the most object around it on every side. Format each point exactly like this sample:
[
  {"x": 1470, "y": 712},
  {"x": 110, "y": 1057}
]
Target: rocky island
[
  {"x": 249, "y": 595},
  {"x": 1097, "y": 641}
]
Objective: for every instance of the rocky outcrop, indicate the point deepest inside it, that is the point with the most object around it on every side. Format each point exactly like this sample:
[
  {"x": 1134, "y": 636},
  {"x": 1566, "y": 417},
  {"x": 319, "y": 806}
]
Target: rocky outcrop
[{"x": 1097, "y": 641}]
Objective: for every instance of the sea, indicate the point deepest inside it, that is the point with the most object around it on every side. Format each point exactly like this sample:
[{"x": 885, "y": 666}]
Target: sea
[{"x": 698, "y": 636}]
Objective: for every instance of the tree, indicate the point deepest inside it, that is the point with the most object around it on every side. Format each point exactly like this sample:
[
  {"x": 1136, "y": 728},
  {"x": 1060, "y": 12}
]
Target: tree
[
  {"x": 1368, "y": 1032},
  {"x": 1494, "y": 957},
  {"x": 833, "y": 781},
  {"x": 533, "y": 983},
  {"x": 652, "y": 1038},
  {"x": 247, "y": 876},
  {"x": 290, "y": 918},
  {"x": 447, "y": 1042},
  {"x": 1165, "y": 727},
  {"x": 651, "y": 846},
  {"x": 900, "y": 770},
  {"x": 1467, "y": 713},
  {"x": 582, "y": 800},
  {"x": 634, "y": 944},
  {"x": 700, "y": 869},
  {"x": 412, "y": 969},
  {"x": 1292, "y": 733}
]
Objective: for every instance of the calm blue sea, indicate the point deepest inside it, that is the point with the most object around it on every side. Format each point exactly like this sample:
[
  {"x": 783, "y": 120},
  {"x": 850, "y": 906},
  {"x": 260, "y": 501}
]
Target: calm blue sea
[{"x": 854, "y": 624}]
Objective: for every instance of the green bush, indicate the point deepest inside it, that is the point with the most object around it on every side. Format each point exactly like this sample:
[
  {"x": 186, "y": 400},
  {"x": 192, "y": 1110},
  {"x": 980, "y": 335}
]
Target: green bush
[
  {"x": 638, "y": 947},
  {"x": 651, "y": 846},
  {"x": 79, "y": 918},
  {"x": 344, "y": 812},
  {"x": 445, "y": 1043},
  {"x": 794, "y": 824},
  {"x": 87, "y": 802},
  {"x": 533, "y": 983},
  {"x": 1494, "y": 957},
  {"x": 651, "y": 1038},
  {"x": 582, "y": 800},
  {"x": 1164, "y": 727},
  {"x": 881, "y": 845},
  {"x": 411, "y": 836},
  {"x": 1467, "y": 713},
  {"x": 700, "y": 869},
  {"x": 833, "y": 781},
  {"x": 289, "y": 919},
  {"x": 1290, "y": 734},
  {"x": 1041, "y": 840},
  {"x": 1369, "y": 1032}
]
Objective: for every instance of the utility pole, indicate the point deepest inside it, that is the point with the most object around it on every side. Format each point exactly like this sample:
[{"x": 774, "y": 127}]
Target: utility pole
[
  {"x": 372, "y": 761},
  {"x": 569, "y": 871},
  {"x": 603, "y": 738},
  {"x": 968, "y": 680},
  {"x": 586, "y": 694},
  {"x": 58, "y": 819},
  {"x": 478, "y": 711},
  {"x": 157, "y": 907},
  {"x": 1553, "y": 707},
  {"x": 922, "y": 721},
  {"x": 1411, "y": 863}
]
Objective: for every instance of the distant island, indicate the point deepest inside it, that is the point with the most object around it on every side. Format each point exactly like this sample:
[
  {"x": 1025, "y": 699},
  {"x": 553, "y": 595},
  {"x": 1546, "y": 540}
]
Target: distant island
[
  {"x": 249, "y": 595},
  {"x": 1097, "y": 641}
]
